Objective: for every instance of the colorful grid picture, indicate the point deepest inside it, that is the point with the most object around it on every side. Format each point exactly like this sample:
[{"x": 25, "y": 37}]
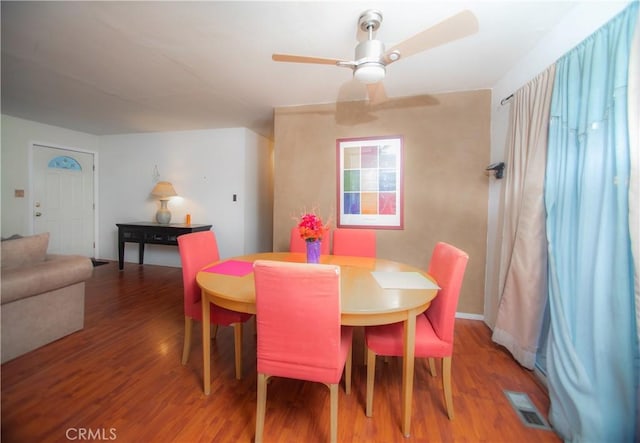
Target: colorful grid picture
[{"x": 370, "y": 174}]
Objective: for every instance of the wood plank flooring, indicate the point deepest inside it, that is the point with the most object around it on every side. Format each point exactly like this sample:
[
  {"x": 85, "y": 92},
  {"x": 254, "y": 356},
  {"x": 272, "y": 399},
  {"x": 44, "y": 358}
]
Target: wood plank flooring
[{"x": 120, "y": 379}]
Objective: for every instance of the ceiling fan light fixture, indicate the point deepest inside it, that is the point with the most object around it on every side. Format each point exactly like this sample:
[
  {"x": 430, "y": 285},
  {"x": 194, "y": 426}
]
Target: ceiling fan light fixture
[{"x": 370, "y": 72}]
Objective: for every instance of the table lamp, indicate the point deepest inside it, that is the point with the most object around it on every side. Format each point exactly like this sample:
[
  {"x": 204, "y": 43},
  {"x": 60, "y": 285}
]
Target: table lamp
[{"x": 163, "y": 190}]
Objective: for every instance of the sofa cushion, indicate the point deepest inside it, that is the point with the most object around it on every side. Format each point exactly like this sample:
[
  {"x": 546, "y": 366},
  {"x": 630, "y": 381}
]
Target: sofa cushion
[
  {"x": 57, "y": 271},
  {"x": 24, "y": 251}
]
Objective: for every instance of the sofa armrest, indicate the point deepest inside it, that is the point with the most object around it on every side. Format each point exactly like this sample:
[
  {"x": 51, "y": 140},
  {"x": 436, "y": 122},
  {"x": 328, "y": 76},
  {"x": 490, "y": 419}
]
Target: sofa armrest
[{"x": 57, "y": 271}]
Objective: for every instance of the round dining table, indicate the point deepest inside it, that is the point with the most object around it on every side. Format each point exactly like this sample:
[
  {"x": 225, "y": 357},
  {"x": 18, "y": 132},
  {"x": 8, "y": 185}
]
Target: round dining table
[{"x": 229, "y": 283}]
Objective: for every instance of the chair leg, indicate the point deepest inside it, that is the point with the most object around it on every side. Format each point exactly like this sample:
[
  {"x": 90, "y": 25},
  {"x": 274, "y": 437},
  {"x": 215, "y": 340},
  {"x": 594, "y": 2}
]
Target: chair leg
[
  {"x": 214, "y": 331},
  {"x": 347, "y": 372},
  {"x": 255, "y": 329},
  {"x": 432, "y": 366},
  {"x": 446, "y": 385},
  {"x": 261, "y": 406},
  {"x": 371, "y": 374},
  {"x": 364, "y": 353},
  {"x": 333, "y": 394},
  {"x": 237, "y": 338},
  {"x": 186, "y": 347}
]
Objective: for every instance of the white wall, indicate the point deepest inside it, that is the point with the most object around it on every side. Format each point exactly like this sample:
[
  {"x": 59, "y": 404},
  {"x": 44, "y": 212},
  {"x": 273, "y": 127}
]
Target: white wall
[
  {"x": 259, "y": 193},
  {"x": 17, "y": 137},
  {"x": 583, "y": 20},
  {"x": 206, "y": 167}
]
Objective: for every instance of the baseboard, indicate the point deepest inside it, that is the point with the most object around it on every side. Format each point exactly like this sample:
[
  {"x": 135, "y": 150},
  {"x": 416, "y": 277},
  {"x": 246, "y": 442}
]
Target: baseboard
[
  {"x": 541, "y": 376},
  {"x": 469, "y": 316}
]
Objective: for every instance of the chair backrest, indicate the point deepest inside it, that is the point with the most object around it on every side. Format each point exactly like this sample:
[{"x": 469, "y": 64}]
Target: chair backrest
[
  {"x": 355, "y": 242},
  {"x": 297, "y": 244},
  {"x": 196, "y": 250},
  {"x": 298, "y": 320},
  {"x": 447, "y": 266}
]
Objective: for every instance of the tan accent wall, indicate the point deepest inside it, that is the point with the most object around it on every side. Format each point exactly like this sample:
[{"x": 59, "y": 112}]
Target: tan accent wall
[{"x": 446, "y": 149}]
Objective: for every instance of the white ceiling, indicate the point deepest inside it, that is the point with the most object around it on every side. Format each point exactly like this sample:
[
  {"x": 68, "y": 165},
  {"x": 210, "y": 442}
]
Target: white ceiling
[{"x": 123, "y": 67}]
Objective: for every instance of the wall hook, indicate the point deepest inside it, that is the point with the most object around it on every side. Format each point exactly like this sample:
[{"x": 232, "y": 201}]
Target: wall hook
[{"x": 498, "y": 168}]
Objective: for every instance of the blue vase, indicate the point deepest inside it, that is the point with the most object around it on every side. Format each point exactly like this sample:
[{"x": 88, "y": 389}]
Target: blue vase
[{"x": 313, "y": 251}]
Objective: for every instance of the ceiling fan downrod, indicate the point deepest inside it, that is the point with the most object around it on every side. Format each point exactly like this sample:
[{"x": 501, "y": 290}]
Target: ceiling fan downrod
[{"x": 369, "y": 67}]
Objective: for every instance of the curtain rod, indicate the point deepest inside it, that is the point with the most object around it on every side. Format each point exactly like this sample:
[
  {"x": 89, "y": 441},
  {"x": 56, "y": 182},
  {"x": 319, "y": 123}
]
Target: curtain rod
[{"x": 506, "y": 100}]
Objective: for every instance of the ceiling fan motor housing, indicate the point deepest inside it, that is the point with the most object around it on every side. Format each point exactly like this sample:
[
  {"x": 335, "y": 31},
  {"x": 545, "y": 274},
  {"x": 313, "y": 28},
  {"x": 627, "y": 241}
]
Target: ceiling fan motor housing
[{"x": 369, "y": 66}]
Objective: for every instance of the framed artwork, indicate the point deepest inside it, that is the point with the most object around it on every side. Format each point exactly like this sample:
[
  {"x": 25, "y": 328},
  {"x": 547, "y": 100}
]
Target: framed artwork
[{"x": 370, "y": 182}]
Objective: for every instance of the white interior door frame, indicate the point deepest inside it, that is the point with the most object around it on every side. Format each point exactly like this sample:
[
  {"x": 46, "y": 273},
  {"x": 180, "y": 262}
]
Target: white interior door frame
[{"x": 30, "y": 182}]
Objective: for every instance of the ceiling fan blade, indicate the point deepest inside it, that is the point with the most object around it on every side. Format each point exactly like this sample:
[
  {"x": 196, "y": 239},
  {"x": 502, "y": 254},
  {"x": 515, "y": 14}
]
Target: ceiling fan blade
[
  {"x": 304, "y": 59},
  {"x": 376, "y": 93},
  {"x": 455, "y": 27}
]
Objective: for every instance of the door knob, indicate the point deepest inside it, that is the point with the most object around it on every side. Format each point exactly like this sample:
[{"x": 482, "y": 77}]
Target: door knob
[{"x": 38, "y": 214}]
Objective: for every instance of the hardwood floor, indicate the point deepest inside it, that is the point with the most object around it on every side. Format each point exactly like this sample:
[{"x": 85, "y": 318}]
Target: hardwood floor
[{"x": 120, "y": 378}]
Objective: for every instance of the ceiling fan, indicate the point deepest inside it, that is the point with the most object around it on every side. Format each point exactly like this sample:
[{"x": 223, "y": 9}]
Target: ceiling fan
[{"x": 371, "y": 59}]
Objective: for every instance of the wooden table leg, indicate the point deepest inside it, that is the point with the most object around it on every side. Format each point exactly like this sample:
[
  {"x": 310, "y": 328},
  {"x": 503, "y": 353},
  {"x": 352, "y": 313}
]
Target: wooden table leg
[
  {"x": 407, "y": 371},
  {"x": 206, "y": 342}
]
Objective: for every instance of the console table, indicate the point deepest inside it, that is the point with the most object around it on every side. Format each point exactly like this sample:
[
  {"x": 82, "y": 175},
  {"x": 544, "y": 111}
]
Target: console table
[{"x": 152, "y": 233}]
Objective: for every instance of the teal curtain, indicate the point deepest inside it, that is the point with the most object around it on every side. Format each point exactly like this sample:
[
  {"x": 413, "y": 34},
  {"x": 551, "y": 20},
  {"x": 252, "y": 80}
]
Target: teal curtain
[{"x": 592, "y": 349}]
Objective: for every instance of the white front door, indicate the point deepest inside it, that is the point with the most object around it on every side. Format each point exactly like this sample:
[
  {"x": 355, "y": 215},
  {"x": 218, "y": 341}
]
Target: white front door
[{"x": 63, "y": 197}]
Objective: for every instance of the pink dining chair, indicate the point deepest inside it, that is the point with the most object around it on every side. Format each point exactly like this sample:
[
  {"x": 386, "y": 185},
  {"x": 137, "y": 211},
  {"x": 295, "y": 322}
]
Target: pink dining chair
[
  {"x": 299, "y": 332},
  {"x": 434, "y": 327},
  {"x": 355, "y": 242},
  {"x": 297, "y": 244},
  {"x": 196, "y": 250}
]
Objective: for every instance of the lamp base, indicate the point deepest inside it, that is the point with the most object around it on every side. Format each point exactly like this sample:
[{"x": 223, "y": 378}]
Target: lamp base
[{"x": 163, "y": 216}]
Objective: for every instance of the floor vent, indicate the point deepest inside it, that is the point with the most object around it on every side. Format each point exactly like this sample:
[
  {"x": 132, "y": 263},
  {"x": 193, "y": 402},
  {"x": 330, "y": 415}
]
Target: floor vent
[{"x": 526, "y": 410}]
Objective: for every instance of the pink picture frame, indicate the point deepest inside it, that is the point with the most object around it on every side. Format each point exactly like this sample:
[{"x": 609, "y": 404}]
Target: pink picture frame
[{"x": 370, "y": 177}]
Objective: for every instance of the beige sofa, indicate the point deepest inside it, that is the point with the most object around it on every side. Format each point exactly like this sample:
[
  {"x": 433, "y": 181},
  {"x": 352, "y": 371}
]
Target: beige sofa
[{"x": 42, "y": 295}]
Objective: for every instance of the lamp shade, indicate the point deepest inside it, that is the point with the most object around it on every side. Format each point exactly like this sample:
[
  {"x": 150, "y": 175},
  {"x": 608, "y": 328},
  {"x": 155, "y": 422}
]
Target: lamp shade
[{"x": 164, "y": 190}]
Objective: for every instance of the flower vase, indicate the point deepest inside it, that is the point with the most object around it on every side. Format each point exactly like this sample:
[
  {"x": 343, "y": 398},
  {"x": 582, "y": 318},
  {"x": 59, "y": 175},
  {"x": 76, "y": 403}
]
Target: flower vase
[{"x": 313, "y": 251}]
